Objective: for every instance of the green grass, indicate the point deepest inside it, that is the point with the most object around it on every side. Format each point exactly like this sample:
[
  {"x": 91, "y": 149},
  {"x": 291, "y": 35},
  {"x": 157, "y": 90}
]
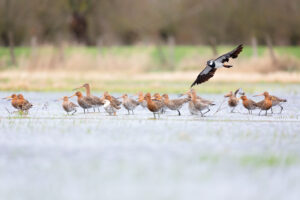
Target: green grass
[{"x": 179, "y": 52}]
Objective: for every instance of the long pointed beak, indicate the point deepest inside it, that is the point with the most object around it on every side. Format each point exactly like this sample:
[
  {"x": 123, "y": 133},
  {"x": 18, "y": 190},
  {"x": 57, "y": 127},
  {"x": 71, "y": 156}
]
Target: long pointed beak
[
  {"x": 77, "y": 88},
  {"x": 72, "y": 96},
  {"x": 258, "y": 95},
  {"x": 8, "y": 98}
]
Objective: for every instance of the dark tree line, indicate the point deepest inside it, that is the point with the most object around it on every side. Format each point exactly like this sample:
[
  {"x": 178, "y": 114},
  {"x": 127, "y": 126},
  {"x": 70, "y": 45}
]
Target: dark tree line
[{"x": 129, "y": 22}]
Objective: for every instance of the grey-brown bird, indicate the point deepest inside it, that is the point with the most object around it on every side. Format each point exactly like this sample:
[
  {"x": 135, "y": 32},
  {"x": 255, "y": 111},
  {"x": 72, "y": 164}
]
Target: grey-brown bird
[
  {"x": 174, "y": 104},
  {"x": 84, "y": 102},
  {"x": 233, "y": 100},
  {"x": 96, "y": 101},
  {"x": 68, "y": 106},
  {"x": 129, "y": 104}
]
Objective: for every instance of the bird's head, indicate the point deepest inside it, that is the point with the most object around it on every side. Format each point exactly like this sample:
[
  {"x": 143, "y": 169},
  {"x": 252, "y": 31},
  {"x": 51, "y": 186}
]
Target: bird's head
[
  {"x": 244, "y": 98},
  {"x": 211, "y": 63}
]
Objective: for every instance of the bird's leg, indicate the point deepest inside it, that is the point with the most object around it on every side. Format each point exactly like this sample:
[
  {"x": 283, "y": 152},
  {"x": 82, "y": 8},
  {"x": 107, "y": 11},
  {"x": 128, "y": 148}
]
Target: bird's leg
[
  {"x": 201, "y": 113},
  {"x": 232, "y": 109},
  {"x": 84, "y": 111},
  {"x": 206, "y": 111},
  {"x": 98, "y": 109},
  {"x": 259, "y": 112},
  {"x": 249, "y": 112},
  {"x": 74, "y": 112},
  {"x": 128, "y": 112},
  {"x": 94, "y": 109},
  {"x": 271, "y": 110},
  {"x": 266, "y": 113},
  {"x": 281, "y": 108},
  {"x": 154, "y": 115},
  {"x": 178, "y": 112}
]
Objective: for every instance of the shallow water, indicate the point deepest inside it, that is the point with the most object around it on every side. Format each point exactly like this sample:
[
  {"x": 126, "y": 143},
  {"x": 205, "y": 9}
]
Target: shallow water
[{"x": 49, "y": 155}]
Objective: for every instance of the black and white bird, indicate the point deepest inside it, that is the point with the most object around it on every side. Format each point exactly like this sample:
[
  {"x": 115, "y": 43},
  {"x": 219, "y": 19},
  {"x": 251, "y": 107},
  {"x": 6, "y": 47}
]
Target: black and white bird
[{"x": 213, "y": 65}]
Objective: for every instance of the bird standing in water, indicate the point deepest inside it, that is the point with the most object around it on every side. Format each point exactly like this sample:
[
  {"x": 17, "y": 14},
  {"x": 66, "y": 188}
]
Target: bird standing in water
[
  {"x": 141, "y": 100},
  {"x": 129, "y": 104},
  {"x": 68, "y": 106},
  {"x": 154, "y": 106},
  {"x": 248, "y": 104},
  {"x": 84, "y": 102},
  {"x": 174, "y": 104},
  {"x": 113, "y": 99},
  {"x": 23, "y": 104},
  {"x": 265, "y": 104},
  {"x": 199, "y": 104},
  {"x": 14, "y": 100},
  {"x": 233, "y": 100},
  {"x": 213, "y": 65},
  {"x": 110, "y": 107},
  {"x": 96, "y": 101}
]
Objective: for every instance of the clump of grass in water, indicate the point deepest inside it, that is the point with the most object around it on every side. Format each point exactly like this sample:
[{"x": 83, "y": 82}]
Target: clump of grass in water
[{"x": 269, "y": 160}]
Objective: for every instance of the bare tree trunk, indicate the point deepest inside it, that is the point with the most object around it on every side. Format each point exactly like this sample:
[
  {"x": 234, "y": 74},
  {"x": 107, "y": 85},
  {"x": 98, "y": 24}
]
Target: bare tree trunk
[
  {"x": 171, "y": 59},
  {"x": 213, "y": 44},
  {"x": 254, "y": 47},
  {"x": 271, "y": 49},
  {"x": 12, "y": 48}
]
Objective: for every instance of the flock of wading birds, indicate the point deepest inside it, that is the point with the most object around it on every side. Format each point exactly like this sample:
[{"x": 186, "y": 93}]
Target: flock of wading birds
[{"x": 157, "y": 104}]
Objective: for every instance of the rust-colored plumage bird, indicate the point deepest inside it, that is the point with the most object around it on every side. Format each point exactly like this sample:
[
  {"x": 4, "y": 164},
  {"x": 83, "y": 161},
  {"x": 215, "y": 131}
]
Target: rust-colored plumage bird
[
  {"x": 14, "y": 100},
  {"x": 84, "y": 102},
  {"x": 69, "y": 106},
  {"x": 233, "y": 100},
  {"x": 248, "y": 104},
  {"x": 265, "y": 104},
  {"x": 96, "y": 101},
  {"x": 154, "y": 106},
  {"x": 142, "y": 100},
  {"x": 23, "y": 104},
  {"x": 174, "y": 104},
  {"x": 110, "y": 107},
  {"x": 159, "y": 98},
  {"x": 129, "y": 104}
]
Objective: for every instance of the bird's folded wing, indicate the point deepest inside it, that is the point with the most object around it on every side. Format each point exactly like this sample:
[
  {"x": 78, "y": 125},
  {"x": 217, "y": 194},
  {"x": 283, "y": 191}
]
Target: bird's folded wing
[
  {"x": 205, "y": 75},
  {"x": 232, "y": 54}
]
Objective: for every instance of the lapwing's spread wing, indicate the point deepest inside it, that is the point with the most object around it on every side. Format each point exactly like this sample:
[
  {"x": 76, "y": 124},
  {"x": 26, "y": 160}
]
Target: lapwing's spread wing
[
  {"x": 232, "y": 54},
  {"x": 205, "y": 75}
]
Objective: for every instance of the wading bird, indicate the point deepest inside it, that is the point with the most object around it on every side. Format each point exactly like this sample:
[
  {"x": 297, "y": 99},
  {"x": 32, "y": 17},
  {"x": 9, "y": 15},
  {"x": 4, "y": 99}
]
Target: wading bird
[
  {"x": 199, "y": 104},
  {"x": 68, "y": 106},
  {"x": 110, "y": 107},
  {"x": 248, "y": 104},
  {"x": 23, "y": 104},
  {"x": 233, "y": 100},
  {"x": 276, "y": 101},
  {"x": 154, "y": 106},
  {"x": 112, "y": 99},
  {"x": 265, "y": 104},
  {"x": 14, "y": 100},
  {"x": 129, "y": 104},
  {"x": 174, "y": 104},
  {"x": 142, "y": 100},
  {"x": 84, "y": 102},
  {"x": 213, "y": 65},
  {"x": 96, "y": 101}
]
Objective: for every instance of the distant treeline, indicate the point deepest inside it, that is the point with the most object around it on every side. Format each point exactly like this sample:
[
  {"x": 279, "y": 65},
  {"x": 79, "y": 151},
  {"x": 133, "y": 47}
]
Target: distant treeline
[{"x": 107, "y": 22}]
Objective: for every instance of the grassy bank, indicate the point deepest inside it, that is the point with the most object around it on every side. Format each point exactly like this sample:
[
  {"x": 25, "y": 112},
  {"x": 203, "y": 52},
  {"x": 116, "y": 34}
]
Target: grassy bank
[{"x": 174, "y": 82}]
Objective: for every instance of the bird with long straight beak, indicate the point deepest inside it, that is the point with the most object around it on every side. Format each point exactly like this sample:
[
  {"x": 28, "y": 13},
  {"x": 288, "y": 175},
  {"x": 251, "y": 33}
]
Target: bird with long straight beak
[
  {"x": 84, "y": 102},
  {"x": 265, "y": 104},
  {"x": 96, "y": 101},
  {"x": 68, "y": 106}
]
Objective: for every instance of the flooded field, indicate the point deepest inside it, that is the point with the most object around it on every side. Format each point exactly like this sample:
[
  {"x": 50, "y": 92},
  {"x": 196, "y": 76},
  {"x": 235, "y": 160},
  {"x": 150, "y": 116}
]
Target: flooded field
[{"x": 49, "y": 155}]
